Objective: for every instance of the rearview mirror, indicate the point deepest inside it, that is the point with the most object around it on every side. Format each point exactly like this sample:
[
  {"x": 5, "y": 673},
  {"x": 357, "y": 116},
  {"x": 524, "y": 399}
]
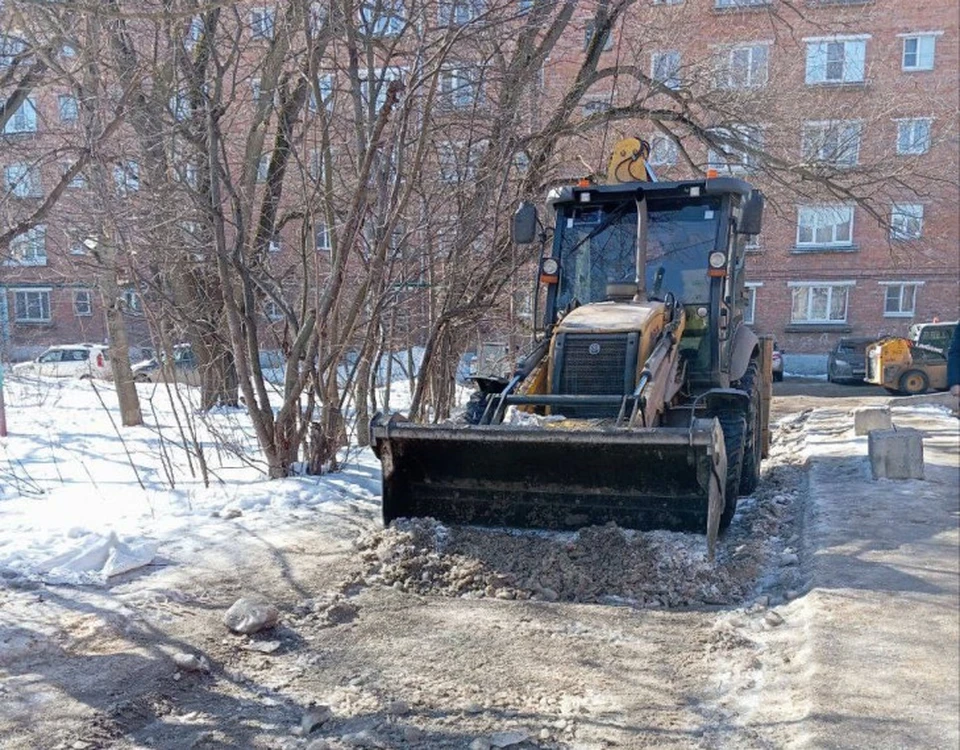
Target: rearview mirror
[
  {"x": 525, "y": 223},
  {"x": 751, "y": 214}
]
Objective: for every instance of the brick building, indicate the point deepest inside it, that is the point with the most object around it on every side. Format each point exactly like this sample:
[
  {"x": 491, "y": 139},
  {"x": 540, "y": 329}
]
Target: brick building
[{"x": 860, "y": 92}]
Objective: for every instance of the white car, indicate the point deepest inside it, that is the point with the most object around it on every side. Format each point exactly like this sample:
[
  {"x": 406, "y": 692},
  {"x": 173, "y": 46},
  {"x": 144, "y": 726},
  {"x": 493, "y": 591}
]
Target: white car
[{"x": 69, "y": 361}]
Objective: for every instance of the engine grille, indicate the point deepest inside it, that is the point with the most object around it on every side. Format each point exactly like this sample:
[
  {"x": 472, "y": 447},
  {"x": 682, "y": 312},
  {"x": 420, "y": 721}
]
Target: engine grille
[{"x": 594, "y": 364}]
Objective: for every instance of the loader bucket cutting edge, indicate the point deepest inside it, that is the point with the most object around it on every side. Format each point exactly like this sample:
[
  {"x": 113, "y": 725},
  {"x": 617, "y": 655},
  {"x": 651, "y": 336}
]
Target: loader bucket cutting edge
[{"x": 661, "y": 478}]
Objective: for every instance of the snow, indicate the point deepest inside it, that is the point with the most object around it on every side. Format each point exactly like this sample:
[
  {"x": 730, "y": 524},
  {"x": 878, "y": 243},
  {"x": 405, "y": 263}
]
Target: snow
[{"x": 82, "y": 499}]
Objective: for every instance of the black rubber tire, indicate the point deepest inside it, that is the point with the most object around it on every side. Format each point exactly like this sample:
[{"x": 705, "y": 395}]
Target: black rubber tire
[
  {"x": 778, "y": 377},
  {"x": 753, "y": 438},
  {"x": 914, "y": 382},
  {"x": 734, "y": 426},
  {"x": 476, "y": 406}
]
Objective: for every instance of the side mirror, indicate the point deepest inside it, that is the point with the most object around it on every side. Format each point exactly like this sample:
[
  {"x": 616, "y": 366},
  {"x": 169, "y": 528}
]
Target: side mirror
[
  {"x": 525, "y": 223},
  {"x": 751, "y": 214}
]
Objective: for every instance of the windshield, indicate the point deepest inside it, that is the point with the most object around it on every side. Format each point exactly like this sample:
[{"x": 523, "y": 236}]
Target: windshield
[{"x": 598, "y": 247}]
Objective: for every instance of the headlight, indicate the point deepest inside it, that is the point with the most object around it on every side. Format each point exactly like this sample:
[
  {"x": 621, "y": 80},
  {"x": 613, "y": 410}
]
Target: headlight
[
  {"x": 550, "y": 267},
  {"x": 841, "y": 363},
  {"x": 717, "y": 259}
]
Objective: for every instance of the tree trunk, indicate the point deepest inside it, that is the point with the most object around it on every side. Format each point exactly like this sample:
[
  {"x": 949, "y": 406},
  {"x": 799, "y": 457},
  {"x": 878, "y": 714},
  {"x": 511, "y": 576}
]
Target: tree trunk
[{"x": 127, "y": 397}]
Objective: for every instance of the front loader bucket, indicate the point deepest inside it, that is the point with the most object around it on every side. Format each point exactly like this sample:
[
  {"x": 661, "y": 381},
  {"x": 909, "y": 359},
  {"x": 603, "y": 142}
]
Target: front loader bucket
[{"x": 554, "y": 478}]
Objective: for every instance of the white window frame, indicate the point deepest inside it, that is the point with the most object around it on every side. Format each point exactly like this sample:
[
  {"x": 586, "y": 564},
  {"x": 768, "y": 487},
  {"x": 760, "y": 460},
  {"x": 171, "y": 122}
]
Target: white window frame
[
  {"x": 902, "y": 286},
  {"x": 669, "y": 78},
  {"x": 906, "y": 221},
  {"x": 263, "y": 168},
  {"x": 819, "y": 216},
  {"x": 458, "y": 162},
  {"x": 194, "y": 32},
  {"x": 126, "y": 177},
  {"x": 67, "y": 104},
  {"x": 588, "y": 32},
  {"x": 595, "y": 106},
  {"x": 808, "y": 287},
  {"x": 833, "y": 142},
  {"x": 925, "y": 58},
  {"x": 756, "y": 75},
  {"x": 22, "y": 180},
  {"x": 383, "y": 18},
  {"x": 78, "y": 307},
  {"x": 29, "y": 248},
  {"x": 725, "y": 4},
  {"x": 458, "y": 12},
  {"x": 132, "y": 302},
  {"x": 731, "y": 159},
  {"x": 10, "y": 47},
  {"x": 907, "y": 142},
  {"x": 382, "y": 78},
  {"x": 325, "y": 82},
  {"x": 271, "y": 310},
  {"x": 322, "y": 230},
  {"x": 43, "y": 299},
  {"x": 23, "y": 120},
  {"x": 663, "y": 151},
  {"x": 751, "y": 289},
  {"x": 263, "y": 22},
  {"x": 460, "y": 86},
  {"x": 852, "y": 64}
]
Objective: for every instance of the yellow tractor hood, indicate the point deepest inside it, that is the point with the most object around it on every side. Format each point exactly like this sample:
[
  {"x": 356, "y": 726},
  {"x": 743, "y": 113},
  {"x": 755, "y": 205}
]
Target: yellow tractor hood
[{"x": 613, "y": 317}]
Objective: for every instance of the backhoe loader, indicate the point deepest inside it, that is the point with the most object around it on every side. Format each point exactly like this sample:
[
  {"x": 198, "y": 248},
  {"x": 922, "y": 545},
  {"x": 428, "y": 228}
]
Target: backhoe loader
[{"x": 642, "y": 396}]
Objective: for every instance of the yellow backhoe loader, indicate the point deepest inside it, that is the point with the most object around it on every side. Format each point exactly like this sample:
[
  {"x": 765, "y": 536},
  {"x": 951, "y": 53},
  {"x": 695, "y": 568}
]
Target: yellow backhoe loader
[
  {"x": 912, "y": 365},
  {"x": 644, "y": 389}
]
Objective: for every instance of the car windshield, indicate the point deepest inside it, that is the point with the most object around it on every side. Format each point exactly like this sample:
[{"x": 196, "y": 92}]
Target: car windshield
[{"x": 598, "y": 247}]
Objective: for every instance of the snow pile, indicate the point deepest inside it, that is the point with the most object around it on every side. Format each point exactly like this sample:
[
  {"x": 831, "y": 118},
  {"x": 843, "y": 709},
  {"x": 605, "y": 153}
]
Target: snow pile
[{"x": 81, "y": 504}]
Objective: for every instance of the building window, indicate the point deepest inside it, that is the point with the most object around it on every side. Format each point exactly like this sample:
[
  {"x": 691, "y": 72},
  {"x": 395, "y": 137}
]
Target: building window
[
  {"x": 126, "y": 176},
  {"x": 744, "y": 67},
  {"x": 325, "y": 83},
  {"x": 839, "y": 60},
  {"x": 262, "y": 23},
  {"x": 274, "y": 245},
  {"x": 29, "y": 248},
  {"x": 31, "y": 305},
  {"x": 750, "y": 303},
  {"x": 740, "y": 3},
  {"x": 668, "y": 2},
  {"x": 834, "y": 142},
  {"x": 734, "y": 153},
  {"x": 67, "y": 108},
  {"x": 919, "y": 51},
  {"x": 82, "y": 303},
  {"x": 663, "y": 151},
  {"x": 459, "y": 163},
  {"x": 913, "y": 136},
  {"x": 906, "y": 221},
  {"x": 132, "y": 302},
  {"x": 459, "y": 12},
  {"x": 899, "y": 299},
  {"x": 321, "y": 237},
  {"x": 10, "y": 48},
  {"x": 263, "y": 168},
  {"x": 817, "y": 302},
  {"x": 24, "y": 120},
  {"x": 271, "y": 310},
  {"x": 595, "y": 106},
  {"x": 382, "y": 78},
  {"x": 588, "y": 32},
  {"x": 825, "y": 226},
  {"x": 665, "y": 68},
  {"x": 194, "y": 32},
  {"x": 382, "y": 17},
  {"x": 460, "y": 87},
  {"x": 22, "y": 180}
]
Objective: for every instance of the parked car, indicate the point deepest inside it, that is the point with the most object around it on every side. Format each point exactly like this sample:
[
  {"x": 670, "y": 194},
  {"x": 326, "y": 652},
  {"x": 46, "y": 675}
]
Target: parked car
[
  {"x": 847, "y": 363},
  {"x": 70, "y": 361},
  {"x": 777, "y": 363},
  {"x": 184, "y": 368}
]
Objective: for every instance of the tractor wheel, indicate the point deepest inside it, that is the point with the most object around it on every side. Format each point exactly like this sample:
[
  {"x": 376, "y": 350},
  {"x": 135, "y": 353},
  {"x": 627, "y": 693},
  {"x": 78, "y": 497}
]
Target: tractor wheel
[
  {"x": 753, "y": 439},
  {"x": 914, "y": 382},
  {"x": 734, "y": 426},
  {"x": 476, "y": 406}
]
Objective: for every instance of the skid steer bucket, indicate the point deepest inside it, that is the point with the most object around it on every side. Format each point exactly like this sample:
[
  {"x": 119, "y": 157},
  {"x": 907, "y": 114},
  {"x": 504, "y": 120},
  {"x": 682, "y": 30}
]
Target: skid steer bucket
[{"x": 657, "y": 478}]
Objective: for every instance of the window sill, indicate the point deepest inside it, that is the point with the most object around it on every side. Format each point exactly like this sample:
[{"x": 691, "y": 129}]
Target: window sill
[
  {"x": 917, "y": 70},
  {"x": 839, "y": 84},
  {"x": 818, "y": 328},
  {"x": 813, "y": 249},
  {"x": 745, "y": 8},
  {"x": 33, "y": 323},
  {"x": 899, "y": 315},
  {"x": 24, "y": 264},
  {"x": 815, "y": 3}
]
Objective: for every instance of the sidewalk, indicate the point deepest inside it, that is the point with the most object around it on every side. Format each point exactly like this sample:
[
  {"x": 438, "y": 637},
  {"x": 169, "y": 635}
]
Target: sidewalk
[{"x": 884, "y": 605}]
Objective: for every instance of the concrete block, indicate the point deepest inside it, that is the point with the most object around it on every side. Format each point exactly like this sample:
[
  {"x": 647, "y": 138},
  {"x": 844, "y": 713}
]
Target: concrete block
[
  {"x": 896, "y": 454},
  {"x": 871, "y": 418}
]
